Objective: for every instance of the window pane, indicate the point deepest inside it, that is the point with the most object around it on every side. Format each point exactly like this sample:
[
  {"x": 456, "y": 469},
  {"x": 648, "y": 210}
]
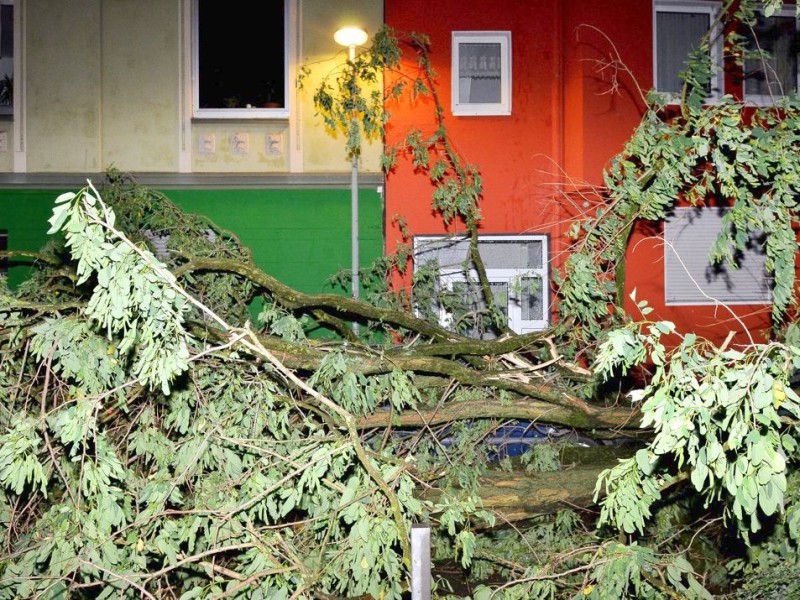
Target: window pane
[
  {"x": 6, "y": 57},
  {"x": 506, "y": 254},
  {"x": 449, "y": 252},
  {"x": 516, "y": 267},
  {"x": 241, "y": 54},
  {"x": 473, "y": 318},
  {"x": 496, "y": 254},
  {"x": 677, "y": 34},
  {"x": 531, "y": 298},
  {"x": 776, "y": 73},
  {"x": 7, "y": 31},
  {"x": 479, "y": 69}
]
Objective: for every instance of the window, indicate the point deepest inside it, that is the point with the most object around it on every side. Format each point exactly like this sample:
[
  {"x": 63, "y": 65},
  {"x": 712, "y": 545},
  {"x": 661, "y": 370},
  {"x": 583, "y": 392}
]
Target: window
[
  {"x": 689, "y": 276},
  {"x": 774, "y": 73},
  {"x": 6, "y": 56},
  {"x": 240, "y": 59},
  {"x": 481, "y": 72},
  {"x": 678, "y": 28},
  {"x": 517, "y": 268}
]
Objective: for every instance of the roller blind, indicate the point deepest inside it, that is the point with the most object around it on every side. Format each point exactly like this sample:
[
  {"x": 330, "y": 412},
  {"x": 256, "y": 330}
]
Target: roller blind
[{"x": 689, "y": 276}]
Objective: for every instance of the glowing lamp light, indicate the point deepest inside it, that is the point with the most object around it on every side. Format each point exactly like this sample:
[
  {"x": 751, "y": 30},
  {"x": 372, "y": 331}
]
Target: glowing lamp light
[{"x": 350, "y": 37}]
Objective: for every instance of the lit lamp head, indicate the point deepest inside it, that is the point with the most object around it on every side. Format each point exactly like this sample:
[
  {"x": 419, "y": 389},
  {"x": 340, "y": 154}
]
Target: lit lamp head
[{"x": 350, "y": 37}]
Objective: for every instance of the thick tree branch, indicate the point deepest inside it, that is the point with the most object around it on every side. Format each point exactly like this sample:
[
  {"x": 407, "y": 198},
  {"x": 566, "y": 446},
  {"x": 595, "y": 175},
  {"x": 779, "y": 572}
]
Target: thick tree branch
[
  {"x": 518, "y": 408},
  {"x": 554, "y": 405},
  {"x": 293, "y": 299},
  {"x": 45, "y": 258}
]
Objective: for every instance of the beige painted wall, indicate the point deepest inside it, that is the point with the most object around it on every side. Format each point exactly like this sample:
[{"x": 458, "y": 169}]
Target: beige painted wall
[
  {"x": 105, "y": 86},
  {"x": 140, "y": 75},
  {"x": 321, "y": 18},
  {"x": 6, "y": 145},
  {"x": 63, "y": 85}
]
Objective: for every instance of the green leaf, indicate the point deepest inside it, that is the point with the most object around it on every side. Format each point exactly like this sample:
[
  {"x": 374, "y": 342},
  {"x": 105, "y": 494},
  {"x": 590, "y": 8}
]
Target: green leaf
[
  {"x": 645, "y": 461},
  {"x": 769, "y": 498},
  {"x": 699, "y": 474},
  {"x": 60, "y": 215}
]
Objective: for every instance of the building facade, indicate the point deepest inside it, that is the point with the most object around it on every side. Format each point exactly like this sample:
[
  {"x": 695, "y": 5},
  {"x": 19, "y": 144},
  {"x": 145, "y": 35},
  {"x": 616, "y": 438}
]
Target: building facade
[
  {"x": 541, "y": 95},
  {"x": 198, "y": 99}
]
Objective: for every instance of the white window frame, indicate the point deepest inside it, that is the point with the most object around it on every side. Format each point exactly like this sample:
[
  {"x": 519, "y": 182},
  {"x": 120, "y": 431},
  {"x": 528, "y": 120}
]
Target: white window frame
[
  {"x": 502, "y": 108},
  {"x": 704, "y": 292},
  {"x": 712, "y": 10},
  {"x": 290, "y": 44},
  {"x": 451, "y": 274},
  {"x": 769, "y": 100}
]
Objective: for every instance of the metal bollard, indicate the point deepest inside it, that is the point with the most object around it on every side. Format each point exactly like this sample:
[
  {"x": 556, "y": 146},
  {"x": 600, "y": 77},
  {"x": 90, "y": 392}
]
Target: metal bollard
[{"x": 420, "y": 562}]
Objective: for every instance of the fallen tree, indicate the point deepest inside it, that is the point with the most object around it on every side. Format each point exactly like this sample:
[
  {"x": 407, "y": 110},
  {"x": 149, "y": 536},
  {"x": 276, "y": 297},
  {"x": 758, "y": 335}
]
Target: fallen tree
[
  {"x": 159, "y": 440},
  {"x": 170, "y": 443}
]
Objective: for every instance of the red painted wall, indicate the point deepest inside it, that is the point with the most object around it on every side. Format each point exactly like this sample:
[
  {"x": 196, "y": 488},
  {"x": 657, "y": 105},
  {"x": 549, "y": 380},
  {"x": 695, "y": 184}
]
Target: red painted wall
[{"x": 573, "y": 108}]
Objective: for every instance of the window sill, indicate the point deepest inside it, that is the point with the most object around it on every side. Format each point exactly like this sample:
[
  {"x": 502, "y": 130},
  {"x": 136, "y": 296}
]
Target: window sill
[
  {"x": 492, "y": 111},
  {"x": 241, "y": 114},
  {"x": 764, "y": 101},
  {"x": 671, "y": 99}
]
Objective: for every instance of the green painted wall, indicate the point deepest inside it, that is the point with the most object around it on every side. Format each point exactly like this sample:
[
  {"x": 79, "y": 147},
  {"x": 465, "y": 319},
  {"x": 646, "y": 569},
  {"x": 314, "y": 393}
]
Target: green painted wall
[
  {"x": 24, "y": 214},
  {"x": 300, "y": 236}
]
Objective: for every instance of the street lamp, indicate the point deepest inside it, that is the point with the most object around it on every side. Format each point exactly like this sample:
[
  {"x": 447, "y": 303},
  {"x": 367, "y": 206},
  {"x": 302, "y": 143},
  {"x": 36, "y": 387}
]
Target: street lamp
[{"x": 350, "y": 37}]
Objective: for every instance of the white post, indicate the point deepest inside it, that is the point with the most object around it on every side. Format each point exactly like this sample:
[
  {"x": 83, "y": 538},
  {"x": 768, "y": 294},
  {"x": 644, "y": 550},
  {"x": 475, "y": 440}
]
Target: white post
[
  {"x": 350, "y": 37},
  {"x": 420, "y": 562},
  {"x": 354, "y": 224}
]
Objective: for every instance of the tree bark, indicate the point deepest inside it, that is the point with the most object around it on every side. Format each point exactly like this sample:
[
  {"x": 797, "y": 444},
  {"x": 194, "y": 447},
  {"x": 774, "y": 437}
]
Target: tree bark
[
  {"x": 523, "y": 408},
  {"x": 519, "y": 495}
]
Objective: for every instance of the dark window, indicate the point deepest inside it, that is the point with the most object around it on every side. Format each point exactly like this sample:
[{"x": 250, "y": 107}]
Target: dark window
[
  {"x": 6, "y": 57},
  {"x": 6, "y": 30},
  {"x": 242, "y": 54},
  {"x": 774, "y": 73}
]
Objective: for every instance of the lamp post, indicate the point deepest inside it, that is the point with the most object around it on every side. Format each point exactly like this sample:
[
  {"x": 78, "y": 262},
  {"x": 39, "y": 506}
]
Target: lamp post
[{"x": 350, "y": 37}]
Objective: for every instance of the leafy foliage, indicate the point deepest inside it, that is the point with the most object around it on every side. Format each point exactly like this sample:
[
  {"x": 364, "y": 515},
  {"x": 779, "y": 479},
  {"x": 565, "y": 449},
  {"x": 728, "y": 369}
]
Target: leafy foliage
[
  {"x": 721, "y": 154},
  {"x": 715, "y": 415},
  {"x": 159, "y": 442},
  {"x": 144, "y": 485}
]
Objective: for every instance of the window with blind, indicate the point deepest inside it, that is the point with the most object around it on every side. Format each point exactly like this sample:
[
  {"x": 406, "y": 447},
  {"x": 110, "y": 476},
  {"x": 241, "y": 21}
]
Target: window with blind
[
  {"x": 678, "y": 29},
  {"x": 517, "y": 268},
  {"x": 771, "y": 71},
  {"x": 689, "y": 276},
  {"x": 481, "y": 72}
]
